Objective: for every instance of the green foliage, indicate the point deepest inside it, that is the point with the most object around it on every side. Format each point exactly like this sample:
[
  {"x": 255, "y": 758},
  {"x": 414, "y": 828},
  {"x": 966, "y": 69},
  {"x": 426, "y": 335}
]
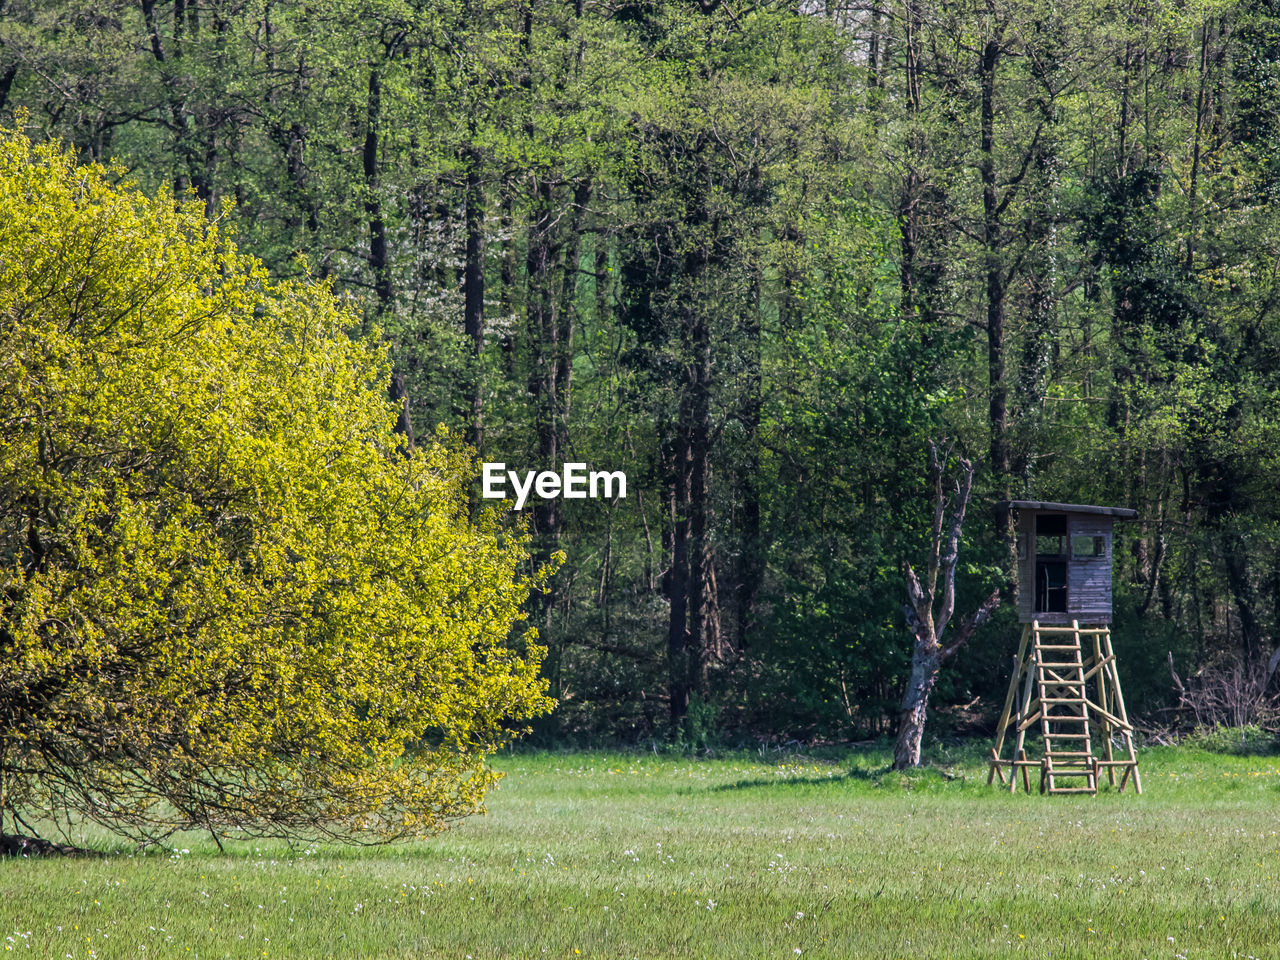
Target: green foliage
[
  {"x": 1248, "y": 741},
  {"x": 788, "y": 247},
  {"x": 229, "y": 602}
]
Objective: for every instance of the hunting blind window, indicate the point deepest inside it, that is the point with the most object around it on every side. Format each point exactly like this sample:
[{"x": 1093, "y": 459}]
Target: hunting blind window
[
  {"x": 1051, "y": 535},
  {"x": 1051, "y": 574},
  {"x": 1088, "y": 546}
]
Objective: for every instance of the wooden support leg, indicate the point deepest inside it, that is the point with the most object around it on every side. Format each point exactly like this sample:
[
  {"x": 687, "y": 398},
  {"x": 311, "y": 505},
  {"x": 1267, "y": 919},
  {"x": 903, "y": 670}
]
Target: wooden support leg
[
  {"x": 1104, "y": 701},
  {"x": 995, "y": 769},
  {"x": 1123, "y": 716},
  {"x": 1024, "y": 712},
  {"x": 1009, "y": 697}
]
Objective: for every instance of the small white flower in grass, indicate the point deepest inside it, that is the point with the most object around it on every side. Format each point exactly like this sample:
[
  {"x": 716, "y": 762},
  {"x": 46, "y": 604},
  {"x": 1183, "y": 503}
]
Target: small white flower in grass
[
  {"x": 798, "y": 951},
  {"x": 799, "y": 915}
]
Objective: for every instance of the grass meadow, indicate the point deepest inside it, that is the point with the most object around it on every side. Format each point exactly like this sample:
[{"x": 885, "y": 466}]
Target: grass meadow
[{"x": 755, "y": 856}]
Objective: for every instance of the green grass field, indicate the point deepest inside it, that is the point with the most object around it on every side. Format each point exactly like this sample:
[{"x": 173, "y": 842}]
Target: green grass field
[{"x": 639, "y": 855}]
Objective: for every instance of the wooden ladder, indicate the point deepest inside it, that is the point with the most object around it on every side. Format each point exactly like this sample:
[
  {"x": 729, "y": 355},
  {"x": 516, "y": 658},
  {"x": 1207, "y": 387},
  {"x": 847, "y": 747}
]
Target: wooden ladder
[
  {"x": 1050, "y": 686},
  {"x": 1064, "y": 713}
]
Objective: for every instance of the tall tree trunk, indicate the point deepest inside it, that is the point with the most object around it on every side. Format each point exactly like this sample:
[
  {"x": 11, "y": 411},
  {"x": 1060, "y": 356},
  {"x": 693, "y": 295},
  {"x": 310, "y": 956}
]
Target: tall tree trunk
[
  {"x": 567, "y": 313},
  {"x": 875, "y": 53},
  {"x": 992, "y": 242},
  {"x": 404, "y": 423},
  {"x": 379, "y": 261},
  {"x": 914, "y": 302},
  {"x": 927, "y": 624},
  {"x": 677, "y": 582},
  {"x": 750, "y": 566},
  {"x": 179, "y": 121},
  {"x": 379, "y": 264},
  {"x": 544, "y": 333},
  {"x": 1193, "y": 187},
  {"x": 507, "y": 287},
  {"x": 998, "y": 401},
  {"x": 702, "y": 604},
  {"x": 6, "y": 82},
  {"x": 473, "y": 293},
  {"x": 1235, "y": 551}
]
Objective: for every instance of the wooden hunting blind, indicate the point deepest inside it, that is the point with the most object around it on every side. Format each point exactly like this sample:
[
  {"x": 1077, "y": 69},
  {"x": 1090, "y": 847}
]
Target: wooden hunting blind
[{"x": 1064, "y": 676}]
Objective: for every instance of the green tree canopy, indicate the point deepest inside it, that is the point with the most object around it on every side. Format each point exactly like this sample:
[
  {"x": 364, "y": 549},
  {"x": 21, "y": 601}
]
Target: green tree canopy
[{"x": 227, "y": 601}]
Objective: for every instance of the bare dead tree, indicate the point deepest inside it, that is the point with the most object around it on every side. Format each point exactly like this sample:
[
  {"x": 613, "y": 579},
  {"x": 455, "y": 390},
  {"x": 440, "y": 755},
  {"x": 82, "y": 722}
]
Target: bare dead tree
[
  {"x": 928, "y": 625},
  {"x": 1226, "y": 693}
]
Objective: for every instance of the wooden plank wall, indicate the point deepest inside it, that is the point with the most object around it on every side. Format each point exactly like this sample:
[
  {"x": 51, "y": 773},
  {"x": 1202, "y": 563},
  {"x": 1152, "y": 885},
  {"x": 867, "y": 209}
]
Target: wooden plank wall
[
  {"x": 1089, "y": 579},
  {"x": 1026, "y": 565}
]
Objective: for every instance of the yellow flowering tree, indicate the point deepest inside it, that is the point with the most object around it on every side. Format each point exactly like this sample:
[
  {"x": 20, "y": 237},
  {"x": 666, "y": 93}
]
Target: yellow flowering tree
[{"x": 227, "y": 601}]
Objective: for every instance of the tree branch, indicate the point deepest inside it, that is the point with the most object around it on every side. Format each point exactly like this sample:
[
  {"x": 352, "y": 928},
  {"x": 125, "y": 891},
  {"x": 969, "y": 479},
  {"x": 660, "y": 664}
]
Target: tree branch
[
  {"x": 963, "y": 486},
  {"x": 972, "y": 623}
]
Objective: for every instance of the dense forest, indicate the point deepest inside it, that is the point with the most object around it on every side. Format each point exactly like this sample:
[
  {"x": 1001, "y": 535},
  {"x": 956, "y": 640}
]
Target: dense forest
[{"x": 758, "y": 255}]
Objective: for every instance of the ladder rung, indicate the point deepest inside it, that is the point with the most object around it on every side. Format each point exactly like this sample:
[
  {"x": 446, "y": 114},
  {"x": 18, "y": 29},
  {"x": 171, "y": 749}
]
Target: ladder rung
[
  {"x": 1071, "y": 771},
  {"x": 1072, "y": 790},
  {"x": 1050, "y": 628},
  {"x": 1062, "y": 683},
  {"x": 1055, "y": 754},
  {"x": 1057, "y": 646},
  {"x": 1060, "y": 666},
  {"x": 1062, "y": 699},
  {"x": 1014, "y": 763},
  {"x": 1072, "y": 736}
]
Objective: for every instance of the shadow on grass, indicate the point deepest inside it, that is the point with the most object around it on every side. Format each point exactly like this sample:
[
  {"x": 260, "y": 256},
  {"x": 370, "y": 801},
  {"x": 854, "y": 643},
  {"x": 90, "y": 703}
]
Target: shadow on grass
[
  {"x": 19, "y": 845},
  {"x": 930, "y": 778}
]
